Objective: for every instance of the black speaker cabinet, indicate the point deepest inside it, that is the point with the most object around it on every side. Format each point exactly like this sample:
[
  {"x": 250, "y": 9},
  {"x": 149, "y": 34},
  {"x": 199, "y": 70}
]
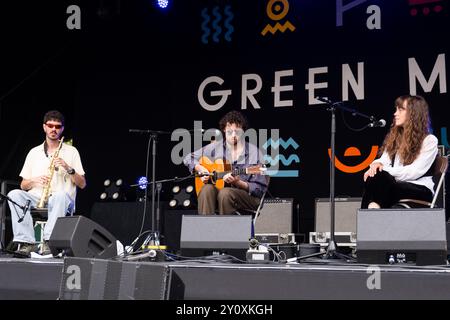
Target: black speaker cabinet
[
  {"x": 79, "y": 236},
  {"x": 172, "y": 227},
  {"x": 345, "y": 214},
  {"x": 98, "y": 279},
  {"x": 402, "y": 236},
  {"x": 222, "y": 234},
  {"x": 275, "y": 216}
]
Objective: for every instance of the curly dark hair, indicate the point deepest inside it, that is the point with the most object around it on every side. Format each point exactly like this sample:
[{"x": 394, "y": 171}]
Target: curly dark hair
[
  {"x": 54, "y": 115},
  {"x": 407, "y": 140},
  {"x": 233, "y": 117}
]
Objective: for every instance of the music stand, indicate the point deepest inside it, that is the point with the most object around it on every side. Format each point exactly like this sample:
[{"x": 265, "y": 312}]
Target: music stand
[{"x": 332, "y": 248}]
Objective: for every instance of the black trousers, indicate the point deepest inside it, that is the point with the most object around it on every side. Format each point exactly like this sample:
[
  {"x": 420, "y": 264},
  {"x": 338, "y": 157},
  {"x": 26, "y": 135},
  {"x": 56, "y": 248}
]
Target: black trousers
[{"x": 386, "y": 191}]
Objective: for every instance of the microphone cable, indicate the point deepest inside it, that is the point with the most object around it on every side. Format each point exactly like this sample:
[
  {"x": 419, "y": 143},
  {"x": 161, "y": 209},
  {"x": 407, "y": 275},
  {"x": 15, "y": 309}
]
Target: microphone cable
[{"x": 350, "y": 127}]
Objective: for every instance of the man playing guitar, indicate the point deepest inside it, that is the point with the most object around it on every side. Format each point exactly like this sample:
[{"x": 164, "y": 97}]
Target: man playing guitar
[{"x": 236, "y": 191}]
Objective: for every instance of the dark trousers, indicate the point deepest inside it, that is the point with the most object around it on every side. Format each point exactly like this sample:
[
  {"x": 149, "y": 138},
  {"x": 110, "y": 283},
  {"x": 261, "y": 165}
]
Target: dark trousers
[
  {"x": 226, "y": 200},
  {"x": 386, "y": 191}
]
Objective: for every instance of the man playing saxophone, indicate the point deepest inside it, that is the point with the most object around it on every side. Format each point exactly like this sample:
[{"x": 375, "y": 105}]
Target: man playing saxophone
[{"x": 50, "y": 177}]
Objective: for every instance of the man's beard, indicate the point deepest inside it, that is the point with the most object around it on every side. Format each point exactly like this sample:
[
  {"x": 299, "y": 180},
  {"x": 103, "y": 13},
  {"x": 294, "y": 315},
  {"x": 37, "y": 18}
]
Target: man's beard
[{"x": 53, "y": 136}]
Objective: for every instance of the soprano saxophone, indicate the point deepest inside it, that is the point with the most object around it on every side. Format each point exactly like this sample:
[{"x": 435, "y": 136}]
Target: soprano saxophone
[{"x": 51, "y": 170}]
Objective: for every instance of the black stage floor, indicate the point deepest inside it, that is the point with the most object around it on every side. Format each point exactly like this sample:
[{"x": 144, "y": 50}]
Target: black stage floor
[{"x": 53, "y": 279}]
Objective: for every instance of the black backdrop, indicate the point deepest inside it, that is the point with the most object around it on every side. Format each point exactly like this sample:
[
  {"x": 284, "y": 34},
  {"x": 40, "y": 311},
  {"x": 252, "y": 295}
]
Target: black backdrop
[{"x": 133, "y": 65}]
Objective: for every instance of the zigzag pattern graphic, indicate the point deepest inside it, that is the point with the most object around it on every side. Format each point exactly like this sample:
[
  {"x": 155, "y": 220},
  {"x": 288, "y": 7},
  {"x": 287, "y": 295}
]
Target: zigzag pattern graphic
[
  {"x": 206, "y": 31},
  {"x": 282, "y": 158},
  {"x": 278, "y": 27},
  {"x": 227, "y": 24},
  {"x": 215, "y": 24},
  {"x": 284, "y": 144}
]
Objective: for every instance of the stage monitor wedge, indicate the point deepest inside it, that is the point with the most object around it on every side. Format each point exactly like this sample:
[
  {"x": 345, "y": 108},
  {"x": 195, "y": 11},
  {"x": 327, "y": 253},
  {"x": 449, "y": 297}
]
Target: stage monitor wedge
[
  {"x": 78, "y": 236},
  {"x": 402, "y": 236},
  {"x": 216, "y": 234}
]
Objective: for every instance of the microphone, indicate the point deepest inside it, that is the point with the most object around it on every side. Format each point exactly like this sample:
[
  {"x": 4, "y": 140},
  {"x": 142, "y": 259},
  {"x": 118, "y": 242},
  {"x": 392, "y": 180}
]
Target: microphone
[
  {"x": 254, "y": 243},
  {"x": 25, "y": 209},
  {"x": 378, "y": 123},
  {"x": 138, "y": 131},
  {"x": 152, "y": 132},
  {"x": 324, "y": 99}
]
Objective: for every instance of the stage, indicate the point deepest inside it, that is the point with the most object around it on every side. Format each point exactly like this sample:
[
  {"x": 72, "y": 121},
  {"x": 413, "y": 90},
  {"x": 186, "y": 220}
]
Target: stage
[{"x": 52, "y": 279}]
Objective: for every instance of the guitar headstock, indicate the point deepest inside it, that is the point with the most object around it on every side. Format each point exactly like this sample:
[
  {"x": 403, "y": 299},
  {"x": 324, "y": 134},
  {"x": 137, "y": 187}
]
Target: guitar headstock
[{"x": 256, "y": 169}]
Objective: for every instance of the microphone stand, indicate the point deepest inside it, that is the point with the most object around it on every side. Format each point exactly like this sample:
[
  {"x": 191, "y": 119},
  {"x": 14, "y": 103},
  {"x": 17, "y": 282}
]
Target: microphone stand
[
  {"x": 153, "y": 237},
  {"x": 155, "y": 233},
  {"x": 24, "y": 208},
  {"x": 331, "y": 252}
]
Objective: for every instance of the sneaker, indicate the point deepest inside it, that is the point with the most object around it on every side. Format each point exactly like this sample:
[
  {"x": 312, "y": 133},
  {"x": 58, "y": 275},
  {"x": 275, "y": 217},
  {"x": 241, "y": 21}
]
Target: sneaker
[
  {"x": 25, "y": 249},
  {"x": 45, "y": 249},
  {"x": 12, "y": 246}
]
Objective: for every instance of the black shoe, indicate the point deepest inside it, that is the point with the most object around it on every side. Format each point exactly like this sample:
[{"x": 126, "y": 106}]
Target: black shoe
[
  {"x": 24, "y": 250},
  {"x": 12, "y": 246}
]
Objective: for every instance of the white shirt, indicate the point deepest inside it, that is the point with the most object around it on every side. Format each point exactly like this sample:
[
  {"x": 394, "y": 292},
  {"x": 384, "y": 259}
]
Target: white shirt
[
  {"x": 37, "y": 164},
  {"x": 413, "y": 172}
]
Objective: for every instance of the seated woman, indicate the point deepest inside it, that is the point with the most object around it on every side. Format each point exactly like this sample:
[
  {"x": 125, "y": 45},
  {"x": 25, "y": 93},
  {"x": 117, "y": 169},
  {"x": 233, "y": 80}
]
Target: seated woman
[{"x": 409, "y": 149}]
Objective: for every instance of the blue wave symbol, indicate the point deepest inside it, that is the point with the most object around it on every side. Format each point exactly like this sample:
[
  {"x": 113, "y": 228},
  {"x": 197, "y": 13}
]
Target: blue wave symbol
[
  {"x": 227, "y": 24},
  {"x": 205, "y": 28},
  {"x": 282, "y": 173},
  {"x": 215, "y": 24},
  {"x": 284, "y": 144},
  {"x": 282, "y": 158}
]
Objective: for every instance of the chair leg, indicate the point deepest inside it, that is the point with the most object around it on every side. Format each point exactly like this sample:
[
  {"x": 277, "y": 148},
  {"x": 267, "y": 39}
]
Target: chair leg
[{"x": 40, "y": 236}]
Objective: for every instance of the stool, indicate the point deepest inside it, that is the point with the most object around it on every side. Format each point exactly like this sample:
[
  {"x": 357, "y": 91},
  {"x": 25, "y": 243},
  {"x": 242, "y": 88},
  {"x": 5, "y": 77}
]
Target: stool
[{"x": 39, "y": 232}]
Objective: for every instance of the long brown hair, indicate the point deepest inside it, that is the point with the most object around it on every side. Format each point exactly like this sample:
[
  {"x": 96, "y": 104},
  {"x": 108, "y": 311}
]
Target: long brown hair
[{"x": 406, "y": 140}]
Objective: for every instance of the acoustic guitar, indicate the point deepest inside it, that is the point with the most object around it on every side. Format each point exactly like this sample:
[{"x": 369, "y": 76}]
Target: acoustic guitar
[{"x": 218, "y": 169}]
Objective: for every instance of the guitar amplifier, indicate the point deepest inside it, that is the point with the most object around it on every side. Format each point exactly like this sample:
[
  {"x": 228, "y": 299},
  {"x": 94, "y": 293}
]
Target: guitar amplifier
[
  {"x": 275, "y": 216},
  {"x": 345, "y": 214}
]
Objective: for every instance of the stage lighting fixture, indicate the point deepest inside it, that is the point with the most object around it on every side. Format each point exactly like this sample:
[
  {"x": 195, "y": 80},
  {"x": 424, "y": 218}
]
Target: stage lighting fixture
[
  {"x": 189, "y": 189},
  {"x": 113, "y": 190},
  {"x": 173, "y": 203},
  {"x": 186, "y": 203},
  {"x": 162, "y": 3},
  {"x": 182, "y": 197},
  {"x": 142, "y": 181},
  {"x": 141, "y": 190}
]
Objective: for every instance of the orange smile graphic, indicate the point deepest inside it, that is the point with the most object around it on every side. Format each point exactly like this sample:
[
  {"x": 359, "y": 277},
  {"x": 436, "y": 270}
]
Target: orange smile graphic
[{"x": 354, "y": 152}]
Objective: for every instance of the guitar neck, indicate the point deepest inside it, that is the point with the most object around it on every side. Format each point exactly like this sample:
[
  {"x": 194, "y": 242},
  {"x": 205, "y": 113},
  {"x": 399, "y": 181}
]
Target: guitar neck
[{"x": 235, "y": 172}]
